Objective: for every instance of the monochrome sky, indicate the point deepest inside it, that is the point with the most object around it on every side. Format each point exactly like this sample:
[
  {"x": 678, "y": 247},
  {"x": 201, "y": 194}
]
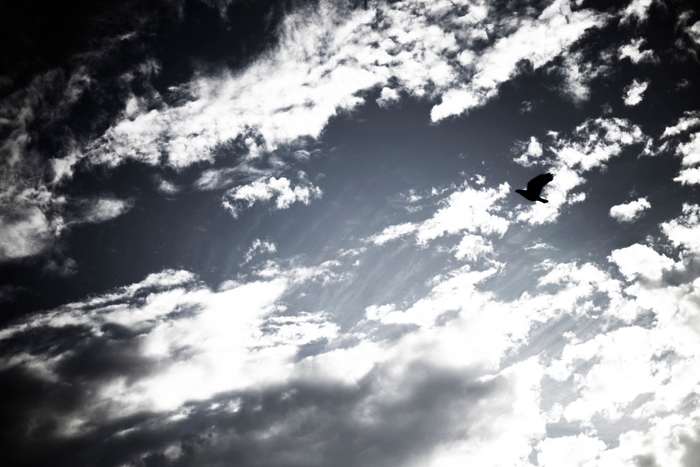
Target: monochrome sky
[{"x": 284, "y": 233}]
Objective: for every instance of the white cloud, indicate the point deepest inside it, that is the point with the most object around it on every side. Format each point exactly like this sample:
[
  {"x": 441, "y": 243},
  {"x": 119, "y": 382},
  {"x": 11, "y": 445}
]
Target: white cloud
[
  {"x": 24, "y": 234},
  {"x": 690, "y": 150},
  {"x": 31, "y": 210},
  {"x": 393, "y": 232},
  {"x": 30, "y": 220},
  {"x": 684, "y": 231},
  {"x": 104, "y": 209},
  {"x": 474, "y": 213},
  {"x": 532, "y": 152},
  {"x": 167, "y": 187},
  {"x": 258, "y": 247},
  {"x": 634, "y": 93},
  {"x": 590, "y": 146},
  {"x": 281, "y": 189},
  {"x": 688, "y": 121},
  {"x": 579, "y": 73},
  {"x": 469, "y": 210},
  {"x": 623, "y": 389},
  {"x": 473, "y": 247},
  {"x": 632, "y": 52},
  {"x": 569, "y": 451},
  {"x": 694, "y": 32},
  {"x": 631, "y": 211},
  {"x": 537, "y": 41},
  {"x": 325, "y": 58},
  {"x": 689, "y": 176},
  {"x": 232, "y": 339},
  {"x": 638, "y": 9},
  {"x": 388, "y": 97},
  {"x": 640, "y": 261}
]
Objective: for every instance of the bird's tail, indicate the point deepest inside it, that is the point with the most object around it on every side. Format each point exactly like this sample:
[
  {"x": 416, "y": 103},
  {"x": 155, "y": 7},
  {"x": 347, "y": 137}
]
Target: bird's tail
[{"x": 543, "y": 200}]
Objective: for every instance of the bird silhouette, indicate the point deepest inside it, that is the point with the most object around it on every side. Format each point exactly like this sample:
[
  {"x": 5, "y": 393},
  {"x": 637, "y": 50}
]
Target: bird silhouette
[{"x": 534, "y": 187}]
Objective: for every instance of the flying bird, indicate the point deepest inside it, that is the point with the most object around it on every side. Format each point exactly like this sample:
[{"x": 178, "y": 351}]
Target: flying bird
[{"x": 534, "y": 187}]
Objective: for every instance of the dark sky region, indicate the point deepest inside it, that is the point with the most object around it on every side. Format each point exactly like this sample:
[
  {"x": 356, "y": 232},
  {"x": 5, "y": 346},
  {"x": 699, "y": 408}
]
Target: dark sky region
[{"x": 285, "y": 233}]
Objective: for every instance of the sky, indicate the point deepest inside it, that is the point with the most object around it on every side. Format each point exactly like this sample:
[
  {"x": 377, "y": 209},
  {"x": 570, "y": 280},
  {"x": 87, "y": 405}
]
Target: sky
[{"x": 284, "y": 233}]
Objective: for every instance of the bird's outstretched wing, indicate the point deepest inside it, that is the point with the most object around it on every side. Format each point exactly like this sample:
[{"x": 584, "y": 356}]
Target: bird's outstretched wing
[{"x": 535, "y": 185}]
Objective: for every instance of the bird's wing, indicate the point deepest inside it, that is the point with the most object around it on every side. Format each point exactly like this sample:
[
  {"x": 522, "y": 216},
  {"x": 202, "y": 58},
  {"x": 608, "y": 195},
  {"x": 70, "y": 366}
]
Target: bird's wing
[{"x": 536, "y": 184}]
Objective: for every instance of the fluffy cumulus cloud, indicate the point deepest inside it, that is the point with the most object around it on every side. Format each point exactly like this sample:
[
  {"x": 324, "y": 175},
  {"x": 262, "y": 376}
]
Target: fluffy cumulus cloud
[
  {"x": 588, "y": 147},
  {"x": 634, "y": 93},
  {"x": 631, "y": 211}
]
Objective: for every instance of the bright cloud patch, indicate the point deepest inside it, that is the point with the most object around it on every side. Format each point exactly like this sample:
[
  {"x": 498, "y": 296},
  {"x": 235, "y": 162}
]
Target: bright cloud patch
[
  {"x": 29, "y": 222},
  {"x": 590, "y": 146},
  {"x": 694, "y": 32},
  {"x": 472, "y": 211},
  {"x": 279, "y": 189},
  {"x": 104, "y": 209},
  {"x": 634, "y": 93},
  {"x": 631, "y": 211},
  {"x": 633, "y": 52}
]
